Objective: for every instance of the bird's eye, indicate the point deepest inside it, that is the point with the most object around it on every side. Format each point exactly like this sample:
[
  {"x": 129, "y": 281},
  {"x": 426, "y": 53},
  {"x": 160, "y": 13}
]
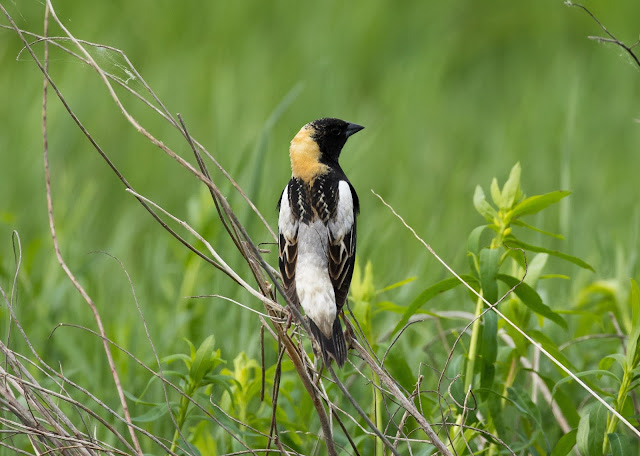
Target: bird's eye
[{"x": 335, "y": 131}]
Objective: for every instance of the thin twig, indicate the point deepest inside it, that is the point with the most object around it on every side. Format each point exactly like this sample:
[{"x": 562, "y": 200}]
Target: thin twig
[{"x": 611, "y": 39}]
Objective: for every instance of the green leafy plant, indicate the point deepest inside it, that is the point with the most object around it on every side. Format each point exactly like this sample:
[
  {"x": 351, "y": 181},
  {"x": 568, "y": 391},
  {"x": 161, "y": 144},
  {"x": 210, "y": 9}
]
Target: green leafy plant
[
  {"x": 197, "y": 380},
  {"x": 246, "y": 388},
  {"x": 497, "y": 265},
  {"x": 596, "y": 432},
  {"x": 499, "y": 257}
]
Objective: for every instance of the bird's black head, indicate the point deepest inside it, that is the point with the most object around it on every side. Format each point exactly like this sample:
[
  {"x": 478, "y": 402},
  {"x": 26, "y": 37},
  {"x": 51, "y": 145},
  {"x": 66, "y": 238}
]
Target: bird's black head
[{"x": 331, "y": 134}]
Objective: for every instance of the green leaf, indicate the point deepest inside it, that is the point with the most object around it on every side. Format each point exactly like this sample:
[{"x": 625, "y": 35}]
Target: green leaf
[
  {"x": 565, "y": 444},
  {"x": 512, "y": 241},
  {"x": 388, "y": 306},
  {"x": 482, "y": 206},
  {"x": 620, "y": 444},
  {"x": 473, "y": 241},
  {"x": 634, "y": 303},
  {"x": 598, "y": 291},
  {"x": 427, "y": 295},
  {"x": 566, "y": 402},
  {"x": 226, "y": 381},
  {"x": 589, "y": 373},
  {"x": 605, "y": 363},
  {"x": 362, "y": 284},
  {"x": 192, "y": 348},
  {"x": 178, "y": 356},
  {"x": 489, "y": 263},
  {"x": 495, "y": 409},
  {"x": 397, "y": 284},
  {"x": 496, "y": 195},
  {"x": 591, "y": 430},
  {"x": 397, "y": 364},
  {"x": 633, "y": 346},
  {"x": 511, "y": 190},
  {"x": 203, "y": 439},
  {"x": 555, "y": 276},
  {"x": 138, "y": 400},
  {"x": 532, "y": 299},
  {"x": 489, "y": 349},
  {"x": 536, "y": 203},
  {"x": 523, "y": 402},
  {"x": 537, "y": 230},
  {"x": 550, "y": 346},
  {"x": 155, "y": 413},
  {"x": 534, "y": 271},
  {"x": 202, "y": 362}
]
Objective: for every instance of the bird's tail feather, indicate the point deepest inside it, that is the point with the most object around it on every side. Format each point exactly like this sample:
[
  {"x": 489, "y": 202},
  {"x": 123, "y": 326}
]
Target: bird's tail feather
[{"x": 334, "y": 347}]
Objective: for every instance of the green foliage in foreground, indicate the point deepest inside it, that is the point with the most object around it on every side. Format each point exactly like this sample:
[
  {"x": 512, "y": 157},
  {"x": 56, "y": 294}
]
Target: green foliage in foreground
[{"x": 496, "y": 387}]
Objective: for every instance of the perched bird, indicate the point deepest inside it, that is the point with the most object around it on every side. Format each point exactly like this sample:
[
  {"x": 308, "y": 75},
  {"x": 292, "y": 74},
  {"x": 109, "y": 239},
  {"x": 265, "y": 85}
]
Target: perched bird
[{"x": 317, "y": 231}]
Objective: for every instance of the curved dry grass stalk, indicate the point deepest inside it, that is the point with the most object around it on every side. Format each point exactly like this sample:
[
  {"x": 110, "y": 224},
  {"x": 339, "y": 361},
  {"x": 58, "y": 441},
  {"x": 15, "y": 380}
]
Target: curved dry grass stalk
[{"x": 56, "y": 246}]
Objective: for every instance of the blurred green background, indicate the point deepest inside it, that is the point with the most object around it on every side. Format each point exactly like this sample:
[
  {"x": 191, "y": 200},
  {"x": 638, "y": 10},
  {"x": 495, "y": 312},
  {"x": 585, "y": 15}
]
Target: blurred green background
[{"x": 451, "y": 95}]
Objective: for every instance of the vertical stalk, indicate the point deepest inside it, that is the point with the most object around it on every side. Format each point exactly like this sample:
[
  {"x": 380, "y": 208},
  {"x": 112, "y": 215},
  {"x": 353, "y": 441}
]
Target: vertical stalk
[
  {"x": 511, "y": 377},
  {"x": 612, "y": 420},
  {"x": 181, "y": 418},
  {"x": 473, "y": 346},
  {"x": 457, "y": 445},
  {"x": 378, "y": 413}
]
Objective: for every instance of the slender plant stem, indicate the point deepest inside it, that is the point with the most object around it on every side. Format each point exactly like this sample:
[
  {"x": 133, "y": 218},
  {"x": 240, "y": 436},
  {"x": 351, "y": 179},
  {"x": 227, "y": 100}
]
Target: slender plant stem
[
  {"x": 473, "y": 346},
  {"x": 378, "y": 413},
  {"x": 612, "y": 420},
  {"x": 181, "y": 418}
]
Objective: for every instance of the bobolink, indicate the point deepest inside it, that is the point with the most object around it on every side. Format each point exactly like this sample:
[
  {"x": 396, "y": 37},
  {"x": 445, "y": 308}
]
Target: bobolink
[{"x": 317, "y": 231}]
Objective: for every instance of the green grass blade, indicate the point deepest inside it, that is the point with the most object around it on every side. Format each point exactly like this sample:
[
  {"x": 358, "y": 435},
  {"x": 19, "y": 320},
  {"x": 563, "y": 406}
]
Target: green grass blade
[{"x": 473, "y": 241}]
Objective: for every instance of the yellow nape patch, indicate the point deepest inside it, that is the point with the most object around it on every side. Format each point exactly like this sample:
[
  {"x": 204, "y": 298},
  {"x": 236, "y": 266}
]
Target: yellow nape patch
[{"x": 305, "y": 156}]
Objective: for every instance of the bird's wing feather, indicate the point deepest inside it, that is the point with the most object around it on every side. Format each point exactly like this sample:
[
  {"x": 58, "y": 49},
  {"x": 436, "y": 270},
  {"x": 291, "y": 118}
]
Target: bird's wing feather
[
  {"x": 342, "y": 240},
  {"x": 288, "y": 223}
]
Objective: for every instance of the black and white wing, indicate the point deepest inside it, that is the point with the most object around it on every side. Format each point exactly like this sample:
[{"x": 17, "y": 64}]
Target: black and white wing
[
  {"x": 342, "y": 240},
  {"x": 293, "y": 207}
]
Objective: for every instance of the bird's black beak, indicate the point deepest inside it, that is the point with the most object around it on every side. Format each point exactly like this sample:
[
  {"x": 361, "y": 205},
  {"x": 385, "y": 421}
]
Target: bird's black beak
[{"x": 353, "y": 128}]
